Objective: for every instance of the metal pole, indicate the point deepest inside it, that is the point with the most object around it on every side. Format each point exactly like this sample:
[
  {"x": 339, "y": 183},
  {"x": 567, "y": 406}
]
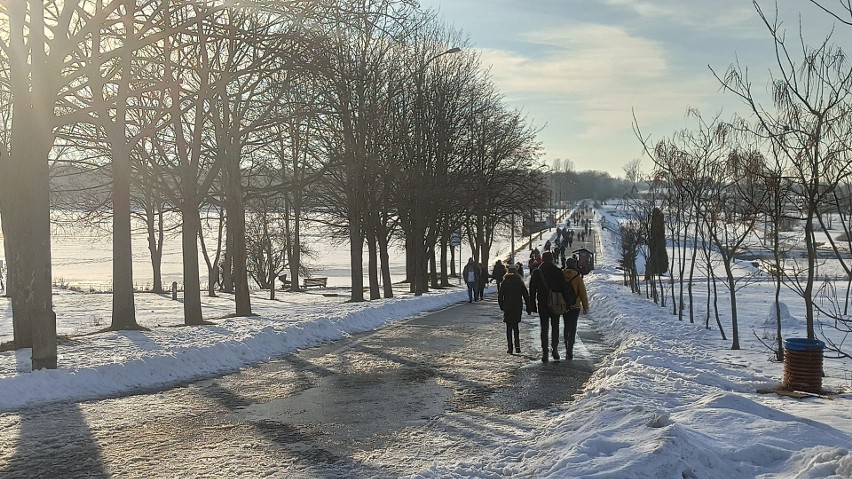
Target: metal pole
[
  {"x": 512, "y": 254},
  {"x": 532, "y": 231},
  {"x": 460, "y": 260}
]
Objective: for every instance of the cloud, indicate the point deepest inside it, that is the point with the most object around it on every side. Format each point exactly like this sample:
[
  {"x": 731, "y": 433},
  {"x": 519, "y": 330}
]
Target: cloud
[
  {"x": 729, "y": 15},
  {"x": 598, "y": 74}
]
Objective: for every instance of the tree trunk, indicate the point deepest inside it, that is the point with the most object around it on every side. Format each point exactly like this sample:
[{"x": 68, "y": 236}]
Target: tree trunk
[
  {"x": 154, "y": 223},
  {"x": 295, "y": 246},
  {"x": 373, "y": 267},
  {"x": 192, "y": 314},
  {"x": 445, "y": 281},
  {"x": 431, "y": 241},
  {"x": 237, "y": 239},
  {"x": 7, "y": 285},
  {"x": 9, "y": 182},
  {"x": 410, "y": 262},
  {"x": 420, "y": 259},
  {"x": 32, "y": 301},
  {"x": 39, "y": 291},
  {"x": 385, "y": 257},
  {"x": 123, "y": 304},
  {"x": 433, "y": 267},
  {"x": 227, "y": 271},
  {"x": 356, "y": 248},
  {"x": 212, "y": 269}
]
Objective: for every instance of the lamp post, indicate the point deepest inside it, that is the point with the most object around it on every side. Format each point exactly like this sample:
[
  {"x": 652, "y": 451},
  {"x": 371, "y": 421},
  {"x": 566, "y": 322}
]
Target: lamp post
[{"x": 512, "y": 253}]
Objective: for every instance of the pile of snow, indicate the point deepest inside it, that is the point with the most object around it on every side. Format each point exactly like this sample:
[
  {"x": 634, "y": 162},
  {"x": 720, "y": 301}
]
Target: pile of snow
[{"x": 787, "y": 319}]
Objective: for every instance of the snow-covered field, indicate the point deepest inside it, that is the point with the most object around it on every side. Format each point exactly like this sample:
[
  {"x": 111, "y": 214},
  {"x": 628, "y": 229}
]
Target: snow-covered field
[{"x": 672, "y": 400}]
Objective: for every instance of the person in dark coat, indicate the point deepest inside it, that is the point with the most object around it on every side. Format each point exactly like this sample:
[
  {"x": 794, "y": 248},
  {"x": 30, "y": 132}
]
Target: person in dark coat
[
  {"x": 498, "y": 272},
  {"x": 470, "y": 273},
  {"x": 483, "y": 280},
  {"x": 548, "y": 277},
  {"x": 513, "y": 297},
  {"x": 520, "y": 267}
]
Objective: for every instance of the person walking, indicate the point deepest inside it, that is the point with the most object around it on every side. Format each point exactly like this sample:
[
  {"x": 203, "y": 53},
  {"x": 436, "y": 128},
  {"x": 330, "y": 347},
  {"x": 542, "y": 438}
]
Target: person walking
[
  {"x": 546, "y": 279},
  {"x": 470, "y": 273},
  {"x": 581, "y": 302},
  {"x": 512, "y": 298},
  {"x": 498, "y": 273},
  {"x": 483, "y": 280}
]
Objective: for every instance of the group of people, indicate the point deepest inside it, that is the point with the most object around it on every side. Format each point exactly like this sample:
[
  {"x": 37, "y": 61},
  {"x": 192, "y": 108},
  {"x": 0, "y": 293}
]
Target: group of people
[
  {"x": 476, "y": 277},
  {"x": 514, "y": 297}
]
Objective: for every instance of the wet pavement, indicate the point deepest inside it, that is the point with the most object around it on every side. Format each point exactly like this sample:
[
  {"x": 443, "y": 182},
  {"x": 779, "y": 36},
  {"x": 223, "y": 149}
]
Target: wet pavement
[{"x": 431, "y": 390}]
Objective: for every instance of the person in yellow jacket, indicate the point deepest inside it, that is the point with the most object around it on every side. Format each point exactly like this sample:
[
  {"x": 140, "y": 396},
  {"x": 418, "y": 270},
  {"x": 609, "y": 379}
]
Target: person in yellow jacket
[{"x": 572, "y": 315}]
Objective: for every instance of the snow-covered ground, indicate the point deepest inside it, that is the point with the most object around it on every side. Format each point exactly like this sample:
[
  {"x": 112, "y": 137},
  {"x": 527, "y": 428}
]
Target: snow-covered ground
[{"x": 672, "y": 400}]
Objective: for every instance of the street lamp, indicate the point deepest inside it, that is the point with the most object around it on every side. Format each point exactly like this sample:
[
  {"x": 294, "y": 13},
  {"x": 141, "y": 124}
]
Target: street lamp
[{"x": 447, "y": 52}]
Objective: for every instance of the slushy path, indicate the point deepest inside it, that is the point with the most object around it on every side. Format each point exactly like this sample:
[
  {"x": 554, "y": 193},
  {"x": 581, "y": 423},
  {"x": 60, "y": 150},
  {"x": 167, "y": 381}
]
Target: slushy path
[{"x": 431, "y": 390}]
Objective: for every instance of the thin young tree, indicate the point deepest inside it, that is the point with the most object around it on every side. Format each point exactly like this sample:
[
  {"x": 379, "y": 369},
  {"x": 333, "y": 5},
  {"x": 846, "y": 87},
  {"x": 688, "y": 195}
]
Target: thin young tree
[{"x": 810, "y": 121}]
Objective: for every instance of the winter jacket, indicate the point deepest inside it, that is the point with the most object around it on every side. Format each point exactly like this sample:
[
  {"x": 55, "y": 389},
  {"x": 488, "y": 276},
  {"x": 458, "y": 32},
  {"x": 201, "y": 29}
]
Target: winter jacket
[
  {"x": 576, "y": 280},
  {"x": 483, "y": 275},
  {"x": 554, "y": 280},
  {"x": 513, "y": 298},
  {"x": 468, "y": 267},
  {"x": 498, "y": 272}
]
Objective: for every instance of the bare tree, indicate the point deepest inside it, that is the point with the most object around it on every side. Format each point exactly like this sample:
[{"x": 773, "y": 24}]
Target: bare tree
[
  {"x": 191, "y": 167},
  {"x": 39, "y": 40},
  {"x": 809, "y": 121},
  {"x": 357, "y": 47}
]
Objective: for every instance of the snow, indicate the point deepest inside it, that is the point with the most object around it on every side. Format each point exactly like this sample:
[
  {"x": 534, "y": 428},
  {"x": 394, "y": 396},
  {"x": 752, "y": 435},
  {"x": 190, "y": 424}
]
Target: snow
[{"x": 672, "y": 400}]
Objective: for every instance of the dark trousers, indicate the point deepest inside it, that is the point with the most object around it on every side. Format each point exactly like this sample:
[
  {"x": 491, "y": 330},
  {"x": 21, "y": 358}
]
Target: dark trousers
[
  {"x": 513, "y": 331},
  {"x": 549, "y": 327},
  {"x": 570, "y": 317},
  {"x": 471, "y": 292}
]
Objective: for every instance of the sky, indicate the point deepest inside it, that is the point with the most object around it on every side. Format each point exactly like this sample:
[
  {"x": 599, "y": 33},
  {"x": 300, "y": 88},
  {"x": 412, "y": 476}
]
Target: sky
[
  {"x": 580, "y": 69},
  {"x": 671, "y": 400}
]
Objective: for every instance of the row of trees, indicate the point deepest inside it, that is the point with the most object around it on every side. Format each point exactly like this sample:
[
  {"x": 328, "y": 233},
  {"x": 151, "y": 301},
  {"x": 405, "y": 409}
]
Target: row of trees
[
  {"x": 372, "y": 112},
  {"x": 729, "y": 185}
]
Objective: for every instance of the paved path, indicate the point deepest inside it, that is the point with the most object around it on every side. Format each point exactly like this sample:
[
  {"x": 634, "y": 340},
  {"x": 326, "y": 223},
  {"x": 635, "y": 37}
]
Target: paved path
[{"x": 435, "y": 389}]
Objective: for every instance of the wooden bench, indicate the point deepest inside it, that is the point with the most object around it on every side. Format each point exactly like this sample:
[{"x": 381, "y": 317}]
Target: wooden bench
[
  {"x": 323, "y": 282},
  {"x": 285, "y": 283}
]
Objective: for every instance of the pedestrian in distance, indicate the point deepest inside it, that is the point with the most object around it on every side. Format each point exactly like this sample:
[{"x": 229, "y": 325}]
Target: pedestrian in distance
[
  {"x": 483, "y": 280},
  {"x": 546, "y": 279},
  {"x": 512, "y": 298},
  {"x": 470, "y": 273},
  {"x": 498, "y": 273},
  {"x": 581, "y": 302},
  {"x": 520, "y": 267}
]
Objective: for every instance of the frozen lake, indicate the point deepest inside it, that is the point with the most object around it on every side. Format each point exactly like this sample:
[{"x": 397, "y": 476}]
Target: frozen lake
[{"x": 82, "y": 258}]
